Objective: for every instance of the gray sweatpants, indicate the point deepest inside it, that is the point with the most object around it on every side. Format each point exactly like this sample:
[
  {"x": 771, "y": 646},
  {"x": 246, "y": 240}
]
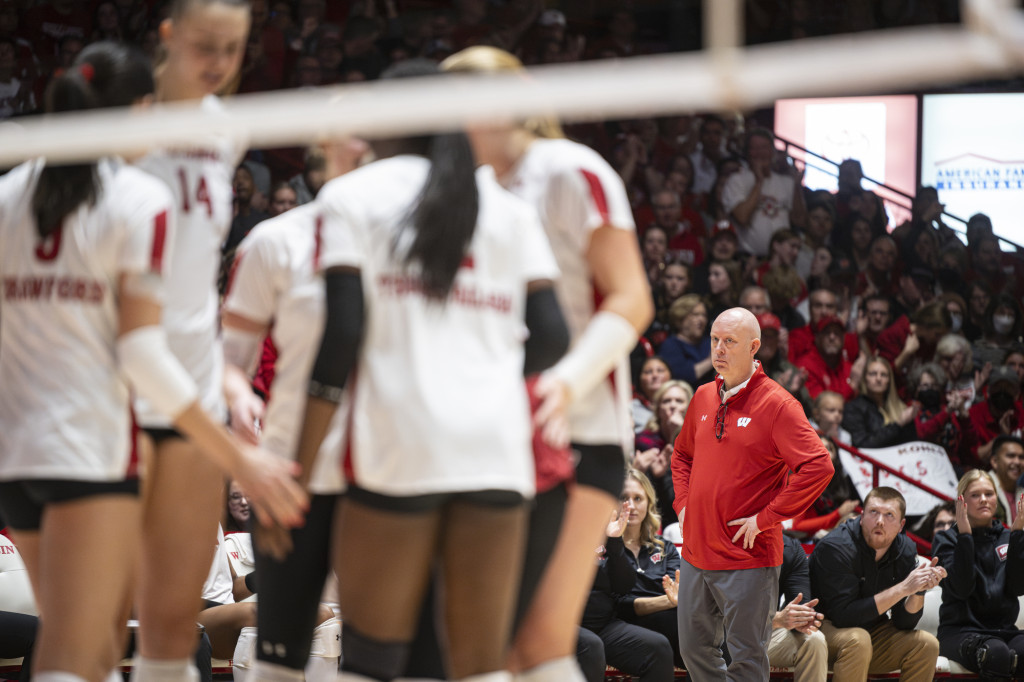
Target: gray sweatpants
[{"x": 731, "y": 606}]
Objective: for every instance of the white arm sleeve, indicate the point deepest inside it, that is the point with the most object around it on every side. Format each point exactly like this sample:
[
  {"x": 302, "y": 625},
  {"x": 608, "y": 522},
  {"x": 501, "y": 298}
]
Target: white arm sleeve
[
  {"x": 607, "y": 339},
  {"x": 241, "y": 349},
  {"x": 154, "y": 372}
]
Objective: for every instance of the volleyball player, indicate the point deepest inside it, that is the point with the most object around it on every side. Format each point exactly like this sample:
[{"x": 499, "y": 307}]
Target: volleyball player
[
  {"x": 605, "y": 294},
  {"x": 431, "y": 271},
  {"x": 275, "y": 288},
  {"x": 203, "y": 44},
  {"x": 82, "y": 251}
]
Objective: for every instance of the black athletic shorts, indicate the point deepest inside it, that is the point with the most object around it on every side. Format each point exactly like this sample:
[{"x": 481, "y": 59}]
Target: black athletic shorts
[
  {"x": 159, "y": 435},
  {"x": 418, "y": 504},
  {"x": 22, "y": 502}
]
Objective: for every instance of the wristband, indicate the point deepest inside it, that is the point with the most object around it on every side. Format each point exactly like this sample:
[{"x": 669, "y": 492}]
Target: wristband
[
  {"x": 250, "y": 582},
  {"x": 154, "y": 372},
  {"x": 608, "y": 339}
]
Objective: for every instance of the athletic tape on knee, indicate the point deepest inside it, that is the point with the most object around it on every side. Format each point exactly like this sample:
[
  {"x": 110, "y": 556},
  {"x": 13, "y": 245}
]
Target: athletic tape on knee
[
  {"x": 372, "y": 658},
  {"x": 602, "y": 467},
  {"x": 154, "y": 372},
  {"x": 326, "y": 640}
]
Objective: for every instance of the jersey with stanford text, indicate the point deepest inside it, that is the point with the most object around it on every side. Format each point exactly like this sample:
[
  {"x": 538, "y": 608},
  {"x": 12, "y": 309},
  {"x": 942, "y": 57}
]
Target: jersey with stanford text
[
  {"x": 199, "y": 178},
  {"x": 64, "y": 409},
  {"x": 576, "y": 192},
  {"x": 275, "y": 281},
  {"x": 439, "y": 401}
]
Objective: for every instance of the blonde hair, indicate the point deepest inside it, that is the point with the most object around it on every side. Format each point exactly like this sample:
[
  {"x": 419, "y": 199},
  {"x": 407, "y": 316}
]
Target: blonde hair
[
  {"x": 969, "y": 478},
  {"x": 486, "y": 59},
  {"x": 652, "y": 521},
  {"x": 682, "y": 308},
  {"x": 892, "y": 407},
  {"x": 653, "y": 424}
]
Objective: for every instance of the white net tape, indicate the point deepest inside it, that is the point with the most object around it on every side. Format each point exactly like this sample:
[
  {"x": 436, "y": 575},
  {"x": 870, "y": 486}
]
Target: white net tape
[{"x": 723, "y": 77}]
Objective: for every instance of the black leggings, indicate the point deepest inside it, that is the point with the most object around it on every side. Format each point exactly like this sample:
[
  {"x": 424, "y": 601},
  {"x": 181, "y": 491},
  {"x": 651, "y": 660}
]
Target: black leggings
[
  {"x": 290, "y": 590},
  {"x": 998, "y": 652}
]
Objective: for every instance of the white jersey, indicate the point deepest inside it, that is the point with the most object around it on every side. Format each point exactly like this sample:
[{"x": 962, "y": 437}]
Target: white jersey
[
  {"x": 238, "y": 547},
  {"x": 219, "y": 586},
  {"x": 275, "y": 281},
  {"x": 575, "y": 192},
  {"x": 439, "y": 401},
  {"x": 15, "y": 588},
  {"x": 64, "y": 408},
  {"x": 200, "y": 180}
]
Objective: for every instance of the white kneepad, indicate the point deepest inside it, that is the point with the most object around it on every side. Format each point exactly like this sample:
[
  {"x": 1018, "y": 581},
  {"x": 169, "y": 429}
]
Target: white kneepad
[
  {"x": 324, "y": 652},
  {"x": 245, "y": 654}
]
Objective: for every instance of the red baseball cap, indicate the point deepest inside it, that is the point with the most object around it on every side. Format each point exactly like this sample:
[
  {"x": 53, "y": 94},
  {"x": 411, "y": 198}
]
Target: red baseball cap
[
  {"x": 828, "y": 321},
  {"x": 769, "y": 321}
]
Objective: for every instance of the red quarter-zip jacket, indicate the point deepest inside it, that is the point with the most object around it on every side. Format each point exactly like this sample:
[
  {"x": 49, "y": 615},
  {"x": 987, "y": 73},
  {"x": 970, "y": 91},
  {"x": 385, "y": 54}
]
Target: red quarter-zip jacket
[{"x": 765, "y": 437}]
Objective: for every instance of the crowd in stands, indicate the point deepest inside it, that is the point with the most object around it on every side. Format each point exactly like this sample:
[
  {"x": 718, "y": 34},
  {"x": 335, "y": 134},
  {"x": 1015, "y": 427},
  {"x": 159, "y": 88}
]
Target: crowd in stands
[{"x": 885, "y": 333}]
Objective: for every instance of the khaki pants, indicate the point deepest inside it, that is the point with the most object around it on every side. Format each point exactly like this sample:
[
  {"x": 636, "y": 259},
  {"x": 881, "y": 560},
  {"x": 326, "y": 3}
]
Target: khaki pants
[
  {"x": 807, "y": 654},
  {"x": 855, "y": 652}
]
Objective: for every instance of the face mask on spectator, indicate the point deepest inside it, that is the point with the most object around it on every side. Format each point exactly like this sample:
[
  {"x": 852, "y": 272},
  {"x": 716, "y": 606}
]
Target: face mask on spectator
[
  {"x": 1002, "y": 324},
  {"x": 930, "y": 398},
  {"x": 956, "y": 322}
]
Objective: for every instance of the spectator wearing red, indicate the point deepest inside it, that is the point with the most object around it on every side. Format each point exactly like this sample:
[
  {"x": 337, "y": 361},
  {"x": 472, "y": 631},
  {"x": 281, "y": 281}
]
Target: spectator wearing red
[
  {"x": 773, "y": 359},
  {"x": 821, "y": 303},
  {"x": 685, "y": 242},
  {"x": 825, "y": 366},
  {"x": 1000, "y": 414},
  {"x": 910, "y": 341},
  {"x": 944, "y": 414},
  {"x": 874, "y": 317}
]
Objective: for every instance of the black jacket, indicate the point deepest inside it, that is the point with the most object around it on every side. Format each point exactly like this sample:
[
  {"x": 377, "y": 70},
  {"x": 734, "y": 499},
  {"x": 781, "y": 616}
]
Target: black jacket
[
  {"x": 615, "y": 577},
  {"x": 985, "y": 578},
  {"x": 868, "y": 429},
  {"x": 846, "y": 578},
  {"x": 794, "y": 577}
]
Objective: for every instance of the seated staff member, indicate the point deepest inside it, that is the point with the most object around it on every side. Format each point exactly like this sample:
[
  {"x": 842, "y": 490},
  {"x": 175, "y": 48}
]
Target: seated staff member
[
  {"x": 431, "y": 270},
  {"x": 653, "y": 558},
  {"x": 871, "y": 589},
  {"x": 981, "y": 594}
]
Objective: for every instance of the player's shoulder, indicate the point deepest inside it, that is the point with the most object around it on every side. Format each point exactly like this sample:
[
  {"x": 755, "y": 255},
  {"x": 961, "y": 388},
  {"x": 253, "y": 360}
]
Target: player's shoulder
[
  {"x": 375, "y": 184},
  {"x": 494, "y": 196},
  {"x": 285, "y": 228},
  {"x": 561, "y": 156}
]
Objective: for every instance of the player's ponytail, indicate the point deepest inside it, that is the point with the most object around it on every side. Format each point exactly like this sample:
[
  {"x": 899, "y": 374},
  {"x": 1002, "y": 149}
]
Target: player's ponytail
[
  {"x": 105, "y": 74},
  {"x": 445, "y": 213}
]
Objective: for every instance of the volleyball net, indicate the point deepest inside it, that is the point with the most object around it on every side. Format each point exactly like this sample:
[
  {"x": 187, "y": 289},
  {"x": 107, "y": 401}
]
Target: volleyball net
[{"x": 723, "y": 77}]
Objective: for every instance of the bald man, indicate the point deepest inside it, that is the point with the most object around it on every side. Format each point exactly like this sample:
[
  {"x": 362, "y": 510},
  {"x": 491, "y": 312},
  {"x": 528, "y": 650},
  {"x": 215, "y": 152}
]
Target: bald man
[{"x": 742, "y": 436}]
